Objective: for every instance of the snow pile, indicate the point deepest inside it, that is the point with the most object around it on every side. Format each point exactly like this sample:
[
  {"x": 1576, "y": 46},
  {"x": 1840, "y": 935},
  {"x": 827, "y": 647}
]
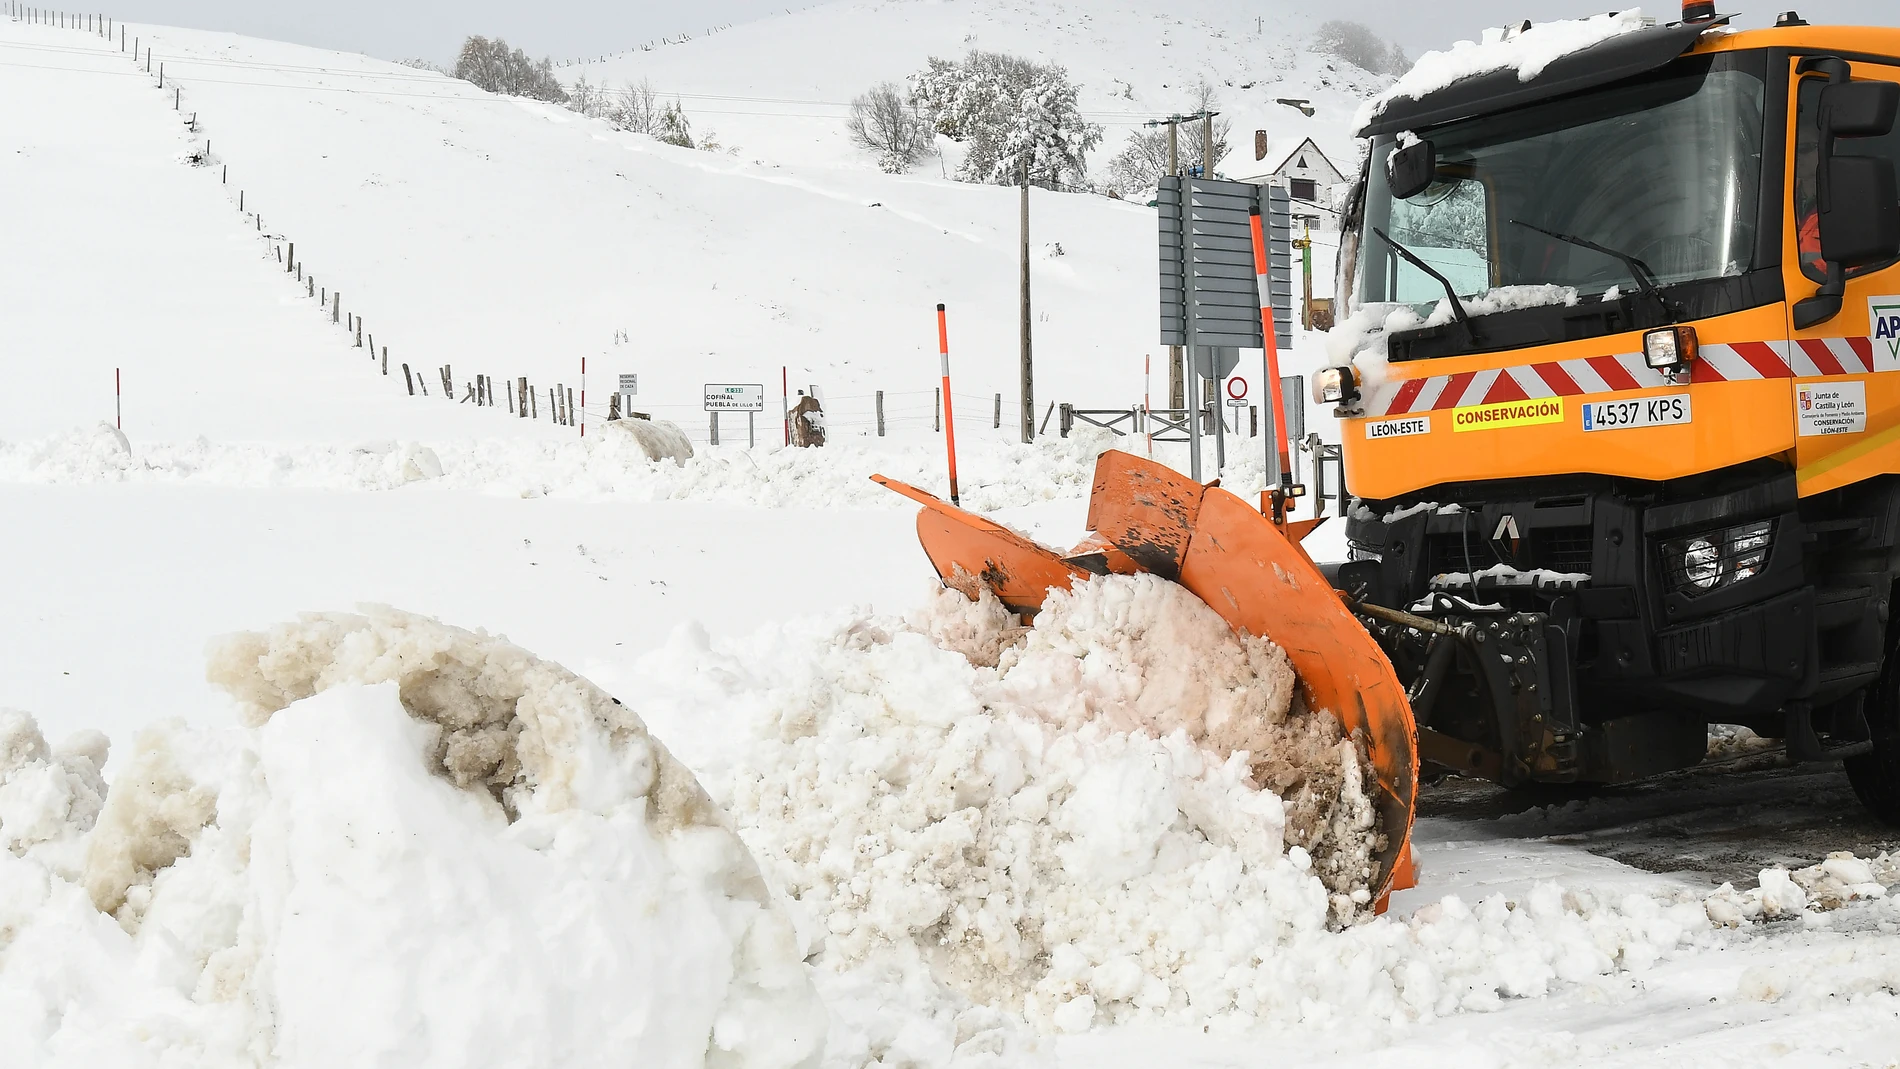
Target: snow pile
[
  {"x": 1067, "y": 824},
  {"x": 434, "y": 850},
  {"x": 1839, "y": 879},
  {"x": 1727, "y": 741},
  {"x": 1528, "y": 53},
  {"x": 652, "y": 463}
]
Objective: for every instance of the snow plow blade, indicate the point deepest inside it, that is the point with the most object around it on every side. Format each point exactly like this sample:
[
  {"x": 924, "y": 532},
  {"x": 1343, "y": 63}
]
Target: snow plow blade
[{"x": 1147, "y": 517}]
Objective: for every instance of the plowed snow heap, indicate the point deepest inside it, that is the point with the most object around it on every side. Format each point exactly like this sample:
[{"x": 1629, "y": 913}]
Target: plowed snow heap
[{"x": 1092, "y": 819}]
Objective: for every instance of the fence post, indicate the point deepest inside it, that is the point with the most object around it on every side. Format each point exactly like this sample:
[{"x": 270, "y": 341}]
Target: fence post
[
  {"x": 554, "y": 410},
  {"x": 936, "y": 410},
  {"x": 407, "y": 381},
  {"x": 385, "y": 359},
  {"x": 448, "y": 382},
  {"x": 1068, "y": 419},
  {"x": 1253, "y": 421},
  {"x": 613, "y": 407},
  {"x": 880, "y": 413},
  {"x": 336, "y": 308},
  {"x": 572, "y": 418},
  {"x": 521, "y": 390},
  {"x": 996, "y": 420},
  {"x": 290, "y": 258}
]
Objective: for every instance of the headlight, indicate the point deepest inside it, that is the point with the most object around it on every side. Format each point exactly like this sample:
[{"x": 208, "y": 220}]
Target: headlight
[
  {"x": 1335, "y": 386},
  {"x": 1671, "y": 348},
  {"x": 1702, "y": 564},
  {"x": 1719, "y": 558}
]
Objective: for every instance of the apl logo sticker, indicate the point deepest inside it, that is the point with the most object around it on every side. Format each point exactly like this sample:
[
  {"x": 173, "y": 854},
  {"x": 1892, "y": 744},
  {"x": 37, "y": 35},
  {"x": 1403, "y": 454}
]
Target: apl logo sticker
[{"x": 1883, "y": 322}]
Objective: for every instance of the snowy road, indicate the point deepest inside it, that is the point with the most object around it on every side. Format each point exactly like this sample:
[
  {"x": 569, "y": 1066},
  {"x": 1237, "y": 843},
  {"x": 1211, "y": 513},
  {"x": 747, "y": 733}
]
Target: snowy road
[{"x": 1711, "y": 823}]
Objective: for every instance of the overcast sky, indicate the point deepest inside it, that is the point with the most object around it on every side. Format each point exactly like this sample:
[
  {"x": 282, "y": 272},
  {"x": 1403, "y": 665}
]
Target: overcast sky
[{"x": 432, "y": 29}]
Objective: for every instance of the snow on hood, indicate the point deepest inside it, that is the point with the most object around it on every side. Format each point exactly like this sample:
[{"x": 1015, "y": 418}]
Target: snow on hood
[
  {"x": 1361, "y": 340},
  {"x": 1528, "y": 53}
]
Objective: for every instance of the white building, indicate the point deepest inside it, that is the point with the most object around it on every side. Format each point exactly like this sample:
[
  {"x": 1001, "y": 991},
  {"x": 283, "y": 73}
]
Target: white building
[{"x": 1308, "y": 174}]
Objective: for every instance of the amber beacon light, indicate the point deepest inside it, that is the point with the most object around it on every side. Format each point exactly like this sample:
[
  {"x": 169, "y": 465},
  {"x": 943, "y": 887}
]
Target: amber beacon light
[{"x": 1698, "y": 10}]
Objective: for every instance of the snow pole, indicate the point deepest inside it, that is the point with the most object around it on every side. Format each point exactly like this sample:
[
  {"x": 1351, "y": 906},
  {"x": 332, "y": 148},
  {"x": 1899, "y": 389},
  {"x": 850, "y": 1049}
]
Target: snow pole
[
  {"x": 583, "y": 397},
  {"x": 1270, "y": 355},
  {"x": 1147, "y": 413},
  {"x": 949, "y": 424}
]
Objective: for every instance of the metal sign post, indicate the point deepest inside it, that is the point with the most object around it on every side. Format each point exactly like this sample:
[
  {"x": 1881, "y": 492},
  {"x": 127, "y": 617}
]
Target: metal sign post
[
  {"x": 1210, "y": 298},
  {"x": 727, "y": 397}
]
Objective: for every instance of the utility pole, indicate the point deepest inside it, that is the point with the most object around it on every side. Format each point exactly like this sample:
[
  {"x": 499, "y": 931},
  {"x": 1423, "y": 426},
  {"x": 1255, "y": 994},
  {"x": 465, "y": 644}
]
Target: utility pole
[
  {"x": 1210, "y": 386},
  {"x": 1029, "y": 377},
  {"x": 1177, "y": 392}
]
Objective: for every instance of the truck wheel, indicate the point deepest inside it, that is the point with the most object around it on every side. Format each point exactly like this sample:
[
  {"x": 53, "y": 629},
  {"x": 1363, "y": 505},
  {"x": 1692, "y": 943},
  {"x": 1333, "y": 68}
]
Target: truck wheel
[{"x": 1876, "y": 775}]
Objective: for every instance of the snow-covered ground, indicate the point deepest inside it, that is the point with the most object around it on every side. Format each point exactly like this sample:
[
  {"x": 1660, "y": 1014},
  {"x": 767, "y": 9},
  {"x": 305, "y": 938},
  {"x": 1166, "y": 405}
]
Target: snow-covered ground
[{"x": 865, "y": 816}]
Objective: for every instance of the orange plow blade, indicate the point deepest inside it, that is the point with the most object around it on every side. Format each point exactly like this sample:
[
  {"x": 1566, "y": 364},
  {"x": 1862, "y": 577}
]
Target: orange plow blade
[{"x": 1147, "y": 516}]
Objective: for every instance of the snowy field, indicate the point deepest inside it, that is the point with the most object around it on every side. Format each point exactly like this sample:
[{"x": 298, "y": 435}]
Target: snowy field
[{"x": 740, "y": 785}]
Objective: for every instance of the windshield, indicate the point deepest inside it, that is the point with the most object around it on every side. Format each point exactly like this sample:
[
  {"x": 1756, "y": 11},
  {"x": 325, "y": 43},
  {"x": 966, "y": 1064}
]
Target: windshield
[{"x": 1667, "y": 171}]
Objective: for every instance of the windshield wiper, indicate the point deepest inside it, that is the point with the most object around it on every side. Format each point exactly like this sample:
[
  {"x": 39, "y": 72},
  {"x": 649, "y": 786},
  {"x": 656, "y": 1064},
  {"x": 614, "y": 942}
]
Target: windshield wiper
[
  {"x": 1457, "y": 306},
  {"x": 1645, "y": 278}
]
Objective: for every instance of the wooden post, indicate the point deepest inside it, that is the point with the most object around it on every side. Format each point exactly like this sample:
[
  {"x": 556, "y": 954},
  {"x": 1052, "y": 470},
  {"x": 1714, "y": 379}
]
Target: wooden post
[
  {"x": 996, "y": 420},
  {"x": 613, "y": 407},
  {"x": 290, "y": 259},
  {"x": 336, "y": 307},
  {"x": 385, "y": 359},
  {"x": 534, "y": 400},
  {"x": 554, "y": 410},
  {"x": 936, "y": 410},
  {"x": 407, "y": 381},
  {"x": 713, "y": 416},
  {"x": 509, "y": 389},
  {"x": 880, "y": 413},
  {"x": 1253, "y": 421},
  {"x": 521, "y": 391},
  {"x": 448, "y": 381},
  {"x": 572, "y": 418},
  {"x": 311, "y": 288},
  {"x": 372, "y": 346},
  {"x": 240, "y": 200}
]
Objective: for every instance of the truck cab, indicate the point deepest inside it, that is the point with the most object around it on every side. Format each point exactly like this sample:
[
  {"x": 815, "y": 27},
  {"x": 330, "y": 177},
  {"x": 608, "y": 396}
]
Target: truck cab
[{"x": 1619, "y": 398}]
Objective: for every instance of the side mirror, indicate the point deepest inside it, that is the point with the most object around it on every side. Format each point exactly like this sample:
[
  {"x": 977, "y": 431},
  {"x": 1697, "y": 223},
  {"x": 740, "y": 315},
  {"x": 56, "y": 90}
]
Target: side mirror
[
  {"x": 1859, "y": 109},
  {"x": 1410, "y": 170},
  {"x": 1859, "y": 205},
  {"x": 1860, "y": 221}
]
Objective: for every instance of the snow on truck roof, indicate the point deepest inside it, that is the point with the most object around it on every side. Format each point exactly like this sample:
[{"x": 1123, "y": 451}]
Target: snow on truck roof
[{"x": 1507, "y": 69}]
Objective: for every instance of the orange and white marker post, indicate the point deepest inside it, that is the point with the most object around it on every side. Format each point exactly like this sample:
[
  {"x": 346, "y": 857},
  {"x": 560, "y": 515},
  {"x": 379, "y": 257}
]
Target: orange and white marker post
[
  {"x": 949, "y": 424},
  {"x": 1271, "y": 355}
]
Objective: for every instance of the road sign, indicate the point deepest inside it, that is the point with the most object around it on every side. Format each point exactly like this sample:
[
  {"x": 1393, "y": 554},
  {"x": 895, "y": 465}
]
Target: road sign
[
  {"x": 629, "y": 384},
  {"x": 1216, "y": 265},
  {"x": 721, "y": 397},
  {"x": 1236, "y": 402},
  {"x": 1217, "y": 361},
  {"x": 1236, "y": 389}
]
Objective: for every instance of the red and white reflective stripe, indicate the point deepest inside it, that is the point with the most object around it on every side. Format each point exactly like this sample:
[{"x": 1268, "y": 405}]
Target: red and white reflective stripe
[{"x": 1625, "y": 371}]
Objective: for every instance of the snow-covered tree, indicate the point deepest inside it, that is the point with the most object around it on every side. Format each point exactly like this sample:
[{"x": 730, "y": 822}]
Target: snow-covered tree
[
  {"x": 671, "y": 126},
  {"x": 492, "y": 65},
  {"x": 883, "y": 122},
  {"x": 1013, "y": 116},
  {"x": 1357, "y": 44}
]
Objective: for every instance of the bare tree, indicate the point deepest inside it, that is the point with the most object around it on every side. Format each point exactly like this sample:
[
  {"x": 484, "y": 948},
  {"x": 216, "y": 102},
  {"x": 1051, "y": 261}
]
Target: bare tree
[
  {"x": 588, "y": 99},
  {"x": 885, "y": 123},
  {"x": 635, "y": 108},
  {"x": 421, "y": 65},
  {"x": 1144, "y": 158},
  {"x": 1357, "y": 44}
]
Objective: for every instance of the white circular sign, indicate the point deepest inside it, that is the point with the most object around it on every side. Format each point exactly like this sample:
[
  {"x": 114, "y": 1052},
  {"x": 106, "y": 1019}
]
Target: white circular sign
[{"x": 1237, "y": 388}]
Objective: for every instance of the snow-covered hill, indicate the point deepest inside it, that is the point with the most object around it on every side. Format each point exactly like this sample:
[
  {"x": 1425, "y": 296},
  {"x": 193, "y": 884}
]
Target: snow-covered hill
[{"x": 779, "y": 88}]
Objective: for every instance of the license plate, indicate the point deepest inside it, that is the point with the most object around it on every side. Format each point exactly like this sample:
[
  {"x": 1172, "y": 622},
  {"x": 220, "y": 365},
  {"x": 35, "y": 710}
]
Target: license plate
[{"x": 1640, "y": 412}]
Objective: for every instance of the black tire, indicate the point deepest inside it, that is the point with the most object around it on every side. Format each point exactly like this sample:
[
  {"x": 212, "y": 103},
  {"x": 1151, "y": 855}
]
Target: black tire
[{"x": 1876, "y": 775}]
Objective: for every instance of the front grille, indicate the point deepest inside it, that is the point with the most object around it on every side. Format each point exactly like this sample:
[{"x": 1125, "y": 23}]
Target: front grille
[
  {"x": 1562, "y": 549},
  {"x": 1557, "y": 549}
]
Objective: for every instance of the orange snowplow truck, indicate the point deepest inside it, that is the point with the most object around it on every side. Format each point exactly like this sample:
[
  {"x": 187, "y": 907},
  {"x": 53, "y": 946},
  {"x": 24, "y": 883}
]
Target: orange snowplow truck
[{"x": 1623, "y": 421}]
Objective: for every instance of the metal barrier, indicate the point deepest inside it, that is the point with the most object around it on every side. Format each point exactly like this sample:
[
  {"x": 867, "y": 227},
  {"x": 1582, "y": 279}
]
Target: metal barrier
[{"x": 1110, "y": 419}]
